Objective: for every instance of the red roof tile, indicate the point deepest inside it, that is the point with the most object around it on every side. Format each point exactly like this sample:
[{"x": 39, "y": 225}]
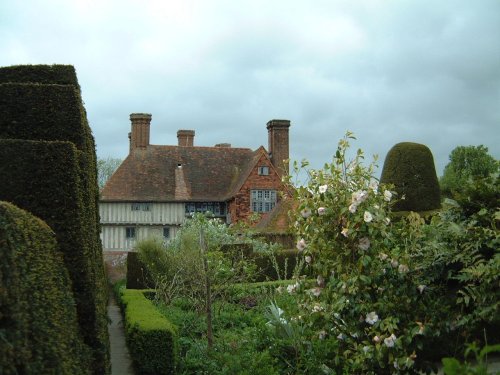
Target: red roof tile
[{"x": 174, "y": 173}]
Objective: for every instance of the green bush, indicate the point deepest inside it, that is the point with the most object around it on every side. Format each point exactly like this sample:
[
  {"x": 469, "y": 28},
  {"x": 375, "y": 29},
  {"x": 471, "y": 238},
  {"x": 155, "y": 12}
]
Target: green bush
[
  {"x": 39, "y": 333},
  {"x": 137, "y": 274},
  {"x": 151, "y": 338},
  {"x": 43, "y": 178},
  {"x": 40, "y": 102},
  {"x": 268, "y": 265},
  {"x": 410, "y": 168},
  {"x": 48, "y": 74}
]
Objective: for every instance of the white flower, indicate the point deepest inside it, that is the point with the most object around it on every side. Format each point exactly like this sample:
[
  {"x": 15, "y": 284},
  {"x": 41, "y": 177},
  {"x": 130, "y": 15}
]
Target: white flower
[
  {"x": 322, "y": 335},
  {"x": 322, "y": 189},
  {"x": 374, "y": 186},
  {"x": 371, "y": 318},
  {"x": 387, "y": 221},
  {"x": 359, "y": 196},
  {"x": 364, "y": 243},
  {"x": 308, "y": 259},
  {"x": 292, "y": 288},
  {"x": 394, "y": 263},
  {"x": 320, "y": 281},
  {"x": 420, "y": 328},
  {"x": 367, "y": 217},
  {"x": 317, "y": 308},
  {"x": 321, "y": 210},
  {"x": 387, "y": 195},
  {"x": 383, "y": 256},
  {"x": 306, "y": 212},
  {"x": 316, "y": 292},
  {"x": 376, "y": 339},
  {"x": 345, "y": 232},
  {"x": 403, "y": 268},
  {"x": 390, "y": 341},
  {"x": 353, "y": 208},
  {"x": 421, "y": 288},
  {"x": 301, "y": 244}
]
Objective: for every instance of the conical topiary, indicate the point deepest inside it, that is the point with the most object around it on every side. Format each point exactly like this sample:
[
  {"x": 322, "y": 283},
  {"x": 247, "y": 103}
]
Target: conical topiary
[{"x": 410, "y": 168}]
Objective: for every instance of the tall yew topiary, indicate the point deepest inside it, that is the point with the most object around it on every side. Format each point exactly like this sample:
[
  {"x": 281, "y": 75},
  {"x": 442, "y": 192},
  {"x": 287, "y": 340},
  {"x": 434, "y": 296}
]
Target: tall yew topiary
[
  {"x": 410, "y": 168},
  {"x": 39, "y": 332},
  {"x": 43, "y": 103}
]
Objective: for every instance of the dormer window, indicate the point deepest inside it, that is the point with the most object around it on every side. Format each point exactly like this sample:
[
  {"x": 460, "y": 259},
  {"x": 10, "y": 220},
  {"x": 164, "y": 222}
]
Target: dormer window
[{"x": 264, "y": 170}]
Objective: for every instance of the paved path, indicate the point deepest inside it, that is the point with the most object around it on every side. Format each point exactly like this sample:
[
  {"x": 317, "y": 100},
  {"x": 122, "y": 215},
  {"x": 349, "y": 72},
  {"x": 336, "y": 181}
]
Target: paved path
[{"x": 121, "y": 364}]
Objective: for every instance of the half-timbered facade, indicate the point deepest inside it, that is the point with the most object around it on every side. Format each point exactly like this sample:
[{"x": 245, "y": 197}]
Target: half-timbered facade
[{"x": 157, "y": 187}]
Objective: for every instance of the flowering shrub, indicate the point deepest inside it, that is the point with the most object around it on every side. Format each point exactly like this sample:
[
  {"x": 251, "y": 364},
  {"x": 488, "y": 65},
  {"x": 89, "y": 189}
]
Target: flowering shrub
[{"x": 367, "y": 293}]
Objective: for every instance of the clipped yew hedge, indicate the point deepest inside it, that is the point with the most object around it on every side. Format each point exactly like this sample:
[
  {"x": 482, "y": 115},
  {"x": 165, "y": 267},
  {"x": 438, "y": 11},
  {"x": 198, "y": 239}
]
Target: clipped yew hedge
[
  {"x": 43, "y": 103},
  {"x": 49, "y": 74},
  {"x": 38, "y": 322},
  {"x": 410, "y": 168},
  {"x": 151, "y": 338}
]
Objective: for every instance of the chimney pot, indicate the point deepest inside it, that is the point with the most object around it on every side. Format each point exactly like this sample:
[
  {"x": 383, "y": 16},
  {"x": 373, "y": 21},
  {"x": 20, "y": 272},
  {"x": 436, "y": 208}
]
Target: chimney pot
[
  {"x": 279, "y": 144},
  {"x": 185, "y": 138},
  {"x": 139, "y": 136}
]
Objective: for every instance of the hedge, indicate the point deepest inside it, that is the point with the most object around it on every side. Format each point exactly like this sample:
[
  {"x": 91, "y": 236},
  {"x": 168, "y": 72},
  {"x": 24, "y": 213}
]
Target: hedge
[
  {"x": 266, "y": 271},
  {"x": 49, "y": 74},
  {"x": 43, "y": 103},
  {"x": 410, "y": 168},
  {"x": 38, "y": 323},
  {"x": 137, "y": 274},
  {"x": 151, "y": 338}
]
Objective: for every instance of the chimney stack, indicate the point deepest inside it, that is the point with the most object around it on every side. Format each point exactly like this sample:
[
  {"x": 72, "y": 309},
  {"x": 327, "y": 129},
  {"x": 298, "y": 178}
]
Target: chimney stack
[
  {"x": 139, "y": 137},
  {"x": 279, "y": 144},
  {"x": 185, "y": 138}
]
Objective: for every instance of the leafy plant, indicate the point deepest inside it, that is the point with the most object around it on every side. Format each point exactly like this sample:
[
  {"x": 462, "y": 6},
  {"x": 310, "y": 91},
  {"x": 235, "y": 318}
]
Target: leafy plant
[{"x": 452, "y": 366}]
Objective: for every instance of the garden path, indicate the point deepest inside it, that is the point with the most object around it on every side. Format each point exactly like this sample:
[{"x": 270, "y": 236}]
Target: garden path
[{"x": 121, "y": 363}]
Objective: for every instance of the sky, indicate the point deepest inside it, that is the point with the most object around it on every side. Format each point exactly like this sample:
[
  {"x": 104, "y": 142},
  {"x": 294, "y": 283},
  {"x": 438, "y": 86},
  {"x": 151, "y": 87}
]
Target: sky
[{"x": 424, "y": 71}]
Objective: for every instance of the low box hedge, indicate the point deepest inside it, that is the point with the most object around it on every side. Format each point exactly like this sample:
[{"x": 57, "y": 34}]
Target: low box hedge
[{"x": 151, "y": 338}]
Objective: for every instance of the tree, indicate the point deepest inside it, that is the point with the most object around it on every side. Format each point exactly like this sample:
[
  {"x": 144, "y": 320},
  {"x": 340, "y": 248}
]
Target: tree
[
  {"x": 410, "y": 168},
  {"x": 467, "y": 163},
  {"x": 105, "y": 169}
]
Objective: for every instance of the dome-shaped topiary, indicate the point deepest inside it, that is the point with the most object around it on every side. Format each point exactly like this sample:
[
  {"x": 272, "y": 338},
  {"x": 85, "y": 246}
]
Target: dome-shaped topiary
[
  {"x": 410, "y": 168},
  {"x": 39, "y": 332}
]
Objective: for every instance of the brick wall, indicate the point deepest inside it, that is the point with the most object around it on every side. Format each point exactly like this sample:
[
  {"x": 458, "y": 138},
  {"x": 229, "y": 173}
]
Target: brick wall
[{"x": 239, "y": 207}]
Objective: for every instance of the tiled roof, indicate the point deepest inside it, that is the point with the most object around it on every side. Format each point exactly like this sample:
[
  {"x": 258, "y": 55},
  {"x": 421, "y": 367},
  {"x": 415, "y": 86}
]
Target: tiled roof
[
  {"x": 174, "y": 173},
  {"x": 277, "y": 221}
]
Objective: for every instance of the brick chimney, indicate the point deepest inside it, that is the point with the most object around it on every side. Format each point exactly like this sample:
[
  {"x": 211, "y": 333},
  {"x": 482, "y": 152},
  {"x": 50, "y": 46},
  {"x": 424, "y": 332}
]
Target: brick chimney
[
  {"x": 185, "y": 138},
  {"x": 139, "y": 137},
  {"x": 279, "y": 144}
]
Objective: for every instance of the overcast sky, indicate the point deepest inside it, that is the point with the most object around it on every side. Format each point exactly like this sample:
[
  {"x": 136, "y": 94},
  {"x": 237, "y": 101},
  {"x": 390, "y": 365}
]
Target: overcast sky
[{"x": 425, "y": 71}]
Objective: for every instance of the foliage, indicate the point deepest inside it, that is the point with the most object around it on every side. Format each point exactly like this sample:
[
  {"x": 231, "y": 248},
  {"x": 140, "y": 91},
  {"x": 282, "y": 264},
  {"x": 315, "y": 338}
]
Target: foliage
[
  {"x": 177, "y": 267},
  {"x": 394, "y": 295},
  {"x": 451, "y": 366},
  {"x": 48, "y": 167},
  {"x": 105, "y": 169},
  {"x": 467, "y": 163},
  {"x": 152, "y": 339},
  {"x": 410, "y": 168},
  {"x": 39, "y": 333}
]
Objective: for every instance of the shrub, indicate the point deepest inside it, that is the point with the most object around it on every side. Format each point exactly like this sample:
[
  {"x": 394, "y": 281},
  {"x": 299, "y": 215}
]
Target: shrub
[
  {"x": 410, "y": 168},
  {"x": 38, "y": 325},
  {"x": 151, "y": 338},
  {"x": 44, "y": 103},
  {"x": 365, "y": 303},
  {"x": 137, "y": 274}
]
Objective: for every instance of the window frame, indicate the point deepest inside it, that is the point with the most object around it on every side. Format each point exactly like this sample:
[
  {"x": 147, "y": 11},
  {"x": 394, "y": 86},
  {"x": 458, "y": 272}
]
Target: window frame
[
  {"x": 263, "y": 200},
  {"x": 130, "y": 233}
]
